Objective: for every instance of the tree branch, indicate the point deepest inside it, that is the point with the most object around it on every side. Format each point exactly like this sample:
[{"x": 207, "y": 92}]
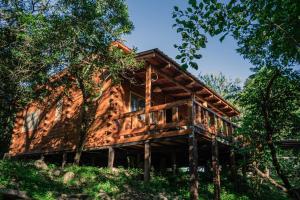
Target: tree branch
[{"x": 268, "y": 178}]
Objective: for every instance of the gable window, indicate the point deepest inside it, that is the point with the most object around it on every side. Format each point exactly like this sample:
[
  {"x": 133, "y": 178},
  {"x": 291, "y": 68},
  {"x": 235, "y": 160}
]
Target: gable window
[{"x": 32, "y": 120}]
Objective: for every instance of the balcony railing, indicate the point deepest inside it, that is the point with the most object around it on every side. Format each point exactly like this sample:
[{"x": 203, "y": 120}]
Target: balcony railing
[{"x": 170, "y": 119}]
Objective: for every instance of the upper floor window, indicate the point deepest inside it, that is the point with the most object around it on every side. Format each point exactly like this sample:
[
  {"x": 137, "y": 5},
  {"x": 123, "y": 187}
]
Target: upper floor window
[
  {"x": 32, "y": 120},
  {"x": 136, "y": 102},
  {"x": 58, "y": 111}
]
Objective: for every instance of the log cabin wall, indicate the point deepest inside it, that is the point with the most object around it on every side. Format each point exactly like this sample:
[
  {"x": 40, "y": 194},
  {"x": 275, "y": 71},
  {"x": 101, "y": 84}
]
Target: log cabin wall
[{"x": 57, "y": 119}]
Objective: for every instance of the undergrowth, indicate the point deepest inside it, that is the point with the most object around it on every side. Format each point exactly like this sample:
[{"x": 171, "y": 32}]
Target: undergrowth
[{"x": 119, "y": 183}]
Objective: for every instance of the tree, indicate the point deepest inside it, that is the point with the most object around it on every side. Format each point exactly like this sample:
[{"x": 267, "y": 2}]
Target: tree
[
  {"x": 271, "y": 114},
  {"x": 267, "y": 32},
  {"x": 268, "y": 36},
  {"x": 77, "y": 35},
  {"x": 228, "y": 89},
  {"x": 25, "y": 58}
]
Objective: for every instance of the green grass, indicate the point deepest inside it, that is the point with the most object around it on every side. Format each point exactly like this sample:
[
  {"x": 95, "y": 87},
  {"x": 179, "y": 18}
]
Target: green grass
[{"x": 118, "y": 183}]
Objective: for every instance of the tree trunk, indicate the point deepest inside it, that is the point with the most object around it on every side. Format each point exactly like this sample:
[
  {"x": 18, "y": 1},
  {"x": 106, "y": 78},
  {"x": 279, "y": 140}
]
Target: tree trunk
[
  {"x": 269, "y": 138},
  {"x": 84, "y": 124}
]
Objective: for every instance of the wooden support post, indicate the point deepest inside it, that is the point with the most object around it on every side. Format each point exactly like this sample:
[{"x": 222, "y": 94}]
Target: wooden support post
[
  {"x": 174, "y": 163},
  {"x": 64, "y": 159},
  {"x": 111, "y": 157},
  {"x": 233, "y": 172},
  {"x": 162, "y": 163},
  {"x": 148, "y": 94},
  {"x": 193, "y": 164},
  {"x": 139, "y": 164},
  {"x": 215, "y": 167},
  {"x": 6, "y": 156},
  {"x": 147, "y": 161}
]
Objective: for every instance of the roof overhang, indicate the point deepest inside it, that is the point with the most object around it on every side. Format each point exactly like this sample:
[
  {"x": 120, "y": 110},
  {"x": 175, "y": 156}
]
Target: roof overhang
[{"x": 169, "y": 68}]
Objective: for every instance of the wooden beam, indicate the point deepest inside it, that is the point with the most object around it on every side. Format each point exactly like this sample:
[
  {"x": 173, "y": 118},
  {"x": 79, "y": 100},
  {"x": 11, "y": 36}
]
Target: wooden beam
[
  {"x": 170, "y": 88},
  {"x": 171, "y": 79},
  {"x": 179, "y": 76},
  {"x": 148, "y": 94},
  {"x": 193, "y": 165},
  {"x": 168, "y": 65},
  {"x": 191, "y": 84},
  {"x": 215, "y": 167},
  {"x": 183, "y": 94},
  {"x": 111, "y": 157},
  {"x": 147, "y": 161},
  {"x": 202, "y": 91}
]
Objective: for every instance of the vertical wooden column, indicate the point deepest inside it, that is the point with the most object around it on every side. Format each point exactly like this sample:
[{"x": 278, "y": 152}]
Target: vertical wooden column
[
  {"x": 111, "y": 157},
  {"x": 193, "y": 165},
  {"x": 148, "y": 94},
  {"x": 233, "y": 172},
  {"x": 139, "y": 163},
  {"x": 174, "y": 114},
  {"x": 147, "y": 161},
  {"x": 64, "y": 159},
  {"x": 215, "y": 167},
  {"x": 193, "y": 156},
  {"x": 174, "y": 163}
]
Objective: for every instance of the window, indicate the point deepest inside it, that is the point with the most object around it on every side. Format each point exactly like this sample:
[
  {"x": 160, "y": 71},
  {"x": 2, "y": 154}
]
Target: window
[
  {"x": 136, "y": 102},
  {"x": 58, "y": 111},
  {"x": 32, "y": 120}
]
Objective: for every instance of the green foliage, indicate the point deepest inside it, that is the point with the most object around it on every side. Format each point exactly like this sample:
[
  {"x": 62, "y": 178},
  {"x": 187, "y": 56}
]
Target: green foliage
[
  {"x": 271, "y": 114},
  {"x": 267, "y": 32},
  {"x": 117, "y": 183},
  {"x": 228, "y": 89},
  {"x": 40, "y": 38}
]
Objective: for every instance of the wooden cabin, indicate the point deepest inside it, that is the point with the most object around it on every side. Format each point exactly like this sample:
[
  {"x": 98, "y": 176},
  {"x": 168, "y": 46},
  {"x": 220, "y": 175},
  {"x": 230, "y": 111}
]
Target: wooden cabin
[{"x": 161, "y": 109}]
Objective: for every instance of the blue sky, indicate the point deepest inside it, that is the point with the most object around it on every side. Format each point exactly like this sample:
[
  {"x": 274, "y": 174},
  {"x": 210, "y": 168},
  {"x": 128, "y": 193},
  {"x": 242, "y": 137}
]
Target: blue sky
[{"x": 153, "y": 29}]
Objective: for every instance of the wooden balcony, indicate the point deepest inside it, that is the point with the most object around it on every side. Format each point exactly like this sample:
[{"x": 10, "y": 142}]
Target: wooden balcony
[{"x": 168, "y": 120}]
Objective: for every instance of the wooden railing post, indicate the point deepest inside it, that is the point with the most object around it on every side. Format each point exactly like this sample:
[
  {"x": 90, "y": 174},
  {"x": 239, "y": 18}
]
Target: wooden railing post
[
  {"x": 174, "y": 114},
  {"x": 193, "y": 111},
  {"x": 148, "y": 94},
  {"x": 225, "y": 127}
]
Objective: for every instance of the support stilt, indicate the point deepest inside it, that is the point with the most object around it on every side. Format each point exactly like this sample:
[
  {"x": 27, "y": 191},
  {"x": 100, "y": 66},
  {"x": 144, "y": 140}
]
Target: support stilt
[
  {"x": 215, "y": 167},
  {"x": 147, "y": 161},
  {"x": 111, "y": 157},
  {"x": 233, "y": 172},
  {"x": 174, "y": 163},
  {"x": 64, "y": 159},
  {"x": 193, "y": 161}
]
